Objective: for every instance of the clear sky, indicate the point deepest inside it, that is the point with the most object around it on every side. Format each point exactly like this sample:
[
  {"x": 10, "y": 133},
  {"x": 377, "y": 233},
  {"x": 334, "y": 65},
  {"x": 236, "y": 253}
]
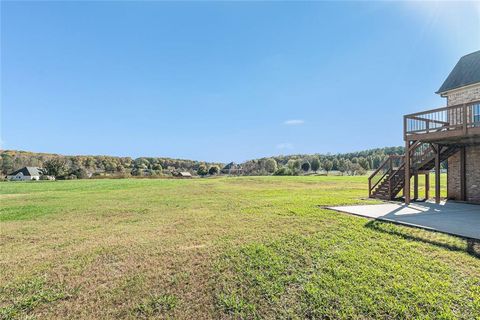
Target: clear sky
[{"x": 221, "y": 81}]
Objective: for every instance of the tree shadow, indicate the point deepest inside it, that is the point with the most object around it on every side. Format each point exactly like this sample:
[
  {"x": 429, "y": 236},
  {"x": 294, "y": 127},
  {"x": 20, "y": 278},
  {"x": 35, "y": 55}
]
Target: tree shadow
[{"x": 472, "y": 246}]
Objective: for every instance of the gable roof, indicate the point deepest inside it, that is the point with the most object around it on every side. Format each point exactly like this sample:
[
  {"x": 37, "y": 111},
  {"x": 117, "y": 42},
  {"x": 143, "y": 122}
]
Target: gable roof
[
  {"x": 465, "y": 72},
  {"x": 27, "y": 171},
  {"x": 231, "y": 165}
]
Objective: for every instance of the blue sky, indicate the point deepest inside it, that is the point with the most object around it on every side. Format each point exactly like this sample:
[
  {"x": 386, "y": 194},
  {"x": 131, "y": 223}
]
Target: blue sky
[{"x": 221, "y": 81}]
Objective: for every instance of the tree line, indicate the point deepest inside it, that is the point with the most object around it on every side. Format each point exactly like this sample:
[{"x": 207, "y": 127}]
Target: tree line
[
  {"x": 81, "y": 167},
  {"x": 353, "y": 163}
]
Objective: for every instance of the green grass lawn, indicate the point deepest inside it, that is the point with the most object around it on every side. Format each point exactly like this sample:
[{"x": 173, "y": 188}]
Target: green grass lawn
[{"x": 259, "y": 247}]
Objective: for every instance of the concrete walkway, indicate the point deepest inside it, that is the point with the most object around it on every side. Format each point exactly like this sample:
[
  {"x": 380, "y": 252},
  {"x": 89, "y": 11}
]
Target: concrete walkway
[{"x": 449, "y": 217}]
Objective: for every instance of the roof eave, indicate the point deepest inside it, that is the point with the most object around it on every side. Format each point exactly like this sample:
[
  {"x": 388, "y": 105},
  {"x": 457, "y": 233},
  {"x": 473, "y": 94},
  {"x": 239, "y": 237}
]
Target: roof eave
[{"x": 443, "y": 92}]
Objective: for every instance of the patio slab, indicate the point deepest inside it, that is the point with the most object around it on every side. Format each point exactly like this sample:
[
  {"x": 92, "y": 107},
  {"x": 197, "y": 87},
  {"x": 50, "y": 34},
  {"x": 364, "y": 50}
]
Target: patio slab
[{"x": 455, "y": 218}]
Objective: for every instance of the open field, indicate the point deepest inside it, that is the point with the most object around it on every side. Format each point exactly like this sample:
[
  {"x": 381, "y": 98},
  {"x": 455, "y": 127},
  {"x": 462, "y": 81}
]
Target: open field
[{"x": 259, "y": 247}]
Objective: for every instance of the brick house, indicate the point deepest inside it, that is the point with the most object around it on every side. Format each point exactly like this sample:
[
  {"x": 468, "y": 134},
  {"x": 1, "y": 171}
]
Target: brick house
[{"x": 450, "y": 134}]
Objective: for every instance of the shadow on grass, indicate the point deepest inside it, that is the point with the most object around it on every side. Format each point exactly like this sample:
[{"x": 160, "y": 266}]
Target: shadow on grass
[{"x": 453, "y": 243}]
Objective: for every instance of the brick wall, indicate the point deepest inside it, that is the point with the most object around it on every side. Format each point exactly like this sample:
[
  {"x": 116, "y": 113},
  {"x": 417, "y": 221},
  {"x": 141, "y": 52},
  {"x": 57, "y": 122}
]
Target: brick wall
[
  {"x": 472, "y": 166},
  {"x": 472, "y": 161},
  {"x": 465, "y": 95},
  {"x": 453, "y": 183}
]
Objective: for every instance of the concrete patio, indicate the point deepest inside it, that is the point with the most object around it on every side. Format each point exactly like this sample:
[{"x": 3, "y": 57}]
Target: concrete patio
[{"x": 455, "y": 218}]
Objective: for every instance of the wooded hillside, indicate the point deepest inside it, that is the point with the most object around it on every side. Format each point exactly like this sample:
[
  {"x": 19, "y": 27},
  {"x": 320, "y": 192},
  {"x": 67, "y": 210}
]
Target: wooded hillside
[{"x": 72, "y": 167}]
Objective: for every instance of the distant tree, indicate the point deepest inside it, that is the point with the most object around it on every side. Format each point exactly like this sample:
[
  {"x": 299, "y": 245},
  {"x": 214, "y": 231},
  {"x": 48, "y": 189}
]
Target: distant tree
[
  {"x": 291, "y": 164},
  {"x": 270, "y": 165},
  {"x": 157, "y": 166},
  {"x": 364, "y": 163},
  {"x": 357, "y": 169},
  {"x": 110, "y": 166},
  {"x": 138, "y": 172},
  {"x": 335, "y": 164},
  {"x": 283, "y": 171},
  {"x": 213, "y": 170},
  {"x": 306, "y": 166},
  {"x": 377, "y": 159},
  {"x": 79, "y": 173},
  {"x": 327, "y": 165},
  {"x": 298, "y": 164},
  {"x": 344, "y": 166},
  {"x": 56, "y": 167},
  {"x": 150, "y": 172},
  {"x": 141, "y": 163},
  {"x": 315, "y": 164},
  {"x": 120, "y": 168},
  {"x": 7, "y": 163},
  {"x": 89, "y": 162},
  {"x": 202, "y": 170}
]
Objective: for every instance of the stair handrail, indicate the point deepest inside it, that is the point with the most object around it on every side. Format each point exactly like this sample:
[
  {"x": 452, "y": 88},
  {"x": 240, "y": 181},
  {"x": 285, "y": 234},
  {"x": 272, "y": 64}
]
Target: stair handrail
[
  {"x": 388, "y": 161},
  {"x": 370, "y": 178},
  {"x": 394, "y": 174},
  {"x": 419, "y": 160}
]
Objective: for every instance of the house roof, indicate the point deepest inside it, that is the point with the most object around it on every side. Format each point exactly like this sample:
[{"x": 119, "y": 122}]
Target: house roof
[
  {"x": 465, "y": 72},
  {"x": 229, "y": 166},
  {"x": 27, "y": 171},
  {"x": 185, "y": 174}
]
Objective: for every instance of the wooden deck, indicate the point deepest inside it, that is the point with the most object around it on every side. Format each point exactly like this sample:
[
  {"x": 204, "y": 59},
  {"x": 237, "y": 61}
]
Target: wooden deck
[
  {"x": 431, "y": 137},
  {"x": 458, "y": 124}
]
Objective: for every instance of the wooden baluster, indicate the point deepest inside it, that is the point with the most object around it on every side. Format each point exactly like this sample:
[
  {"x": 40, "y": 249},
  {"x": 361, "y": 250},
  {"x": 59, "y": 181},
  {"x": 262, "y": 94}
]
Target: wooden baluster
[
  {"x": 369, "y": 187},
  {"x": 437, "y": 173},
  {"x": 427, "y": 185},
  {"x": 406, "y": 186},
  {"x": 415, "y": 186}
]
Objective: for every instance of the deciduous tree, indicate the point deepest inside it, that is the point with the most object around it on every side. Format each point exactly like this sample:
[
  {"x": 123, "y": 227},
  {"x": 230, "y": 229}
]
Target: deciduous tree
[
  {"x": 202, "y": 170},
  {"x": 213, "y": 170},
  {"x": 56, "y": 167},
  {"x": 270, "y": 165},
  {"x": 315, "y": 165},
  {"x": 306, "y": 166},
  {"x": 327, "y": 165}
]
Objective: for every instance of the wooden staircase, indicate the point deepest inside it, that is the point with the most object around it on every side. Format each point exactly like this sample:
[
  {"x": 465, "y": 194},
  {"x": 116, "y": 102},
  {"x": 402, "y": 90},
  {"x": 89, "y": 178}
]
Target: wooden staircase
[{"x": 389, "y": 179}]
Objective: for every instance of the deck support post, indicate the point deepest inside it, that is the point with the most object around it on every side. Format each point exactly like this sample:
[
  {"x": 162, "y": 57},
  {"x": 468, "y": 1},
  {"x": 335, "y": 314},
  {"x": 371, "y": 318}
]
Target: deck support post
[
  {"x": 463, "y": 176},
  {"x": 406, "y": 185},
  {"x": 437, "y": 173},
  {"x": 415, "y": 186},
  {"x": 427, "y": 185}
]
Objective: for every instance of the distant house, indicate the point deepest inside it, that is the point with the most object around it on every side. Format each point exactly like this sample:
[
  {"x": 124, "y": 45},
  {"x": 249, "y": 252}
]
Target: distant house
[
  {"x": 232, "y": 168},
  {"x": 183, "y": 174},
  {"x": 25, "y": 174}
]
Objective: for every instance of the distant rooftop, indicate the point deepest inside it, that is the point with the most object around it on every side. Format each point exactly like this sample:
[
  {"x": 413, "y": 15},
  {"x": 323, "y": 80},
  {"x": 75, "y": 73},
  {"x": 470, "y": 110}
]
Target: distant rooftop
[
  {"x": 27, "y": 171},
  {"x": 465, "y": 72}
]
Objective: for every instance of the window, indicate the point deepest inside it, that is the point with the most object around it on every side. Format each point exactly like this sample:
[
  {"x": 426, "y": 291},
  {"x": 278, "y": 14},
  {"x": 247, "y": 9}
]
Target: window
[{"x": 476, "y": 113}]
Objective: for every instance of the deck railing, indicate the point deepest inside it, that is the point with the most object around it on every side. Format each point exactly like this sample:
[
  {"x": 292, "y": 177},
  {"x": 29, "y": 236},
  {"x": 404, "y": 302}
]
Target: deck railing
[
  {"x": 390, "y": 164},
  {"x": 446, "y": 119},
  {"x": 420, "y": 154}
]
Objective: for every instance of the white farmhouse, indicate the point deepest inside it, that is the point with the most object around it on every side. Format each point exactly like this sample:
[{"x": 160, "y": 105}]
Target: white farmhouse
[{"x": 25, "y": 174}]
